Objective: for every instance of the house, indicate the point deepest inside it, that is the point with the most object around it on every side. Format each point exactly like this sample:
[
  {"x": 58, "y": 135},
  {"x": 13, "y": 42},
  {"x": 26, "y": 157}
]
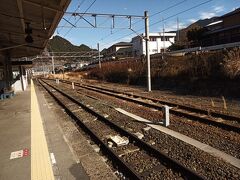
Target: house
[
  {"x": 119, "y": 50},
  {"x": 183, "y": 39},
  {"x": 225, "y": 30},
  {"x": 158, "y": 42}
]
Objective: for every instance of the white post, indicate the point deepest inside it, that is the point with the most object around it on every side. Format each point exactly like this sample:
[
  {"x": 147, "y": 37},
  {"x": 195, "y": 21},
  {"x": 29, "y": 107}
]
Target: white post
[
  {"x": 72, "y": 85},
  {"x": 147, "y": 50},
  {"x": 53, "y": 68},
  {"x": 177, "y": 29},
  {"x": 164, "y": 37},
  {"x": 166, "y": 120},
  {"x": 99, "y": 60}
]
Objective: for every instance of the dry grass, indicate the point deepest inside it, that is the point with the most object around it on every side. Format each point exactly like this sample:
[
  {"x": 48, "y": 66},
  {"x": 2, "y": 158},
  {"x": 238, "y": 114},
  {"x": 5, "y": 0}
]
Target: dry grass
[
  {"x": 231, "y": 63},
  {"x": 191, "y": 67},
  {"x": 122, "y": 71},
  {"x": 68, "y": 75}
]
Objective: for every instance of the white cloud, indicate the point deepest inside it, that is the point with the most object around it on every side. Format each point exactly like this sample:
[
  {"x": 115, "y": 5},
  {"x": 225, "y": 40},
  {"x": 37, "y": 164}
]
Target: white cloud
[
  {"x": 234, "y": 8},
  {"x": 192, "y": 20},
  {"x": 207, "y": 15},
  {"x": 218, "y": 9}
]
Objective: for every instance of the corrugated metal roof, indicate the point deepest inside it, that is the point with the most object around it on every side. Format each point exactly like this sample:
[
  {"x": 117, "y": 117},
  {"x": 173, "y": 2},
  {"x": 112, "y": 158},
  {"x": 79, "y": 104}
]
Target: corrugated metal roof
[{"x": 42, "y": 16}]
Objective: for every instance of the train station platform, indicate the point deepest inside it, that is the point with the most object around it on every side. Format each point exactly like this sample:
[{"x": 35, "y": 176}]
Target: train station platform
[{"x": 31, "y": 143}]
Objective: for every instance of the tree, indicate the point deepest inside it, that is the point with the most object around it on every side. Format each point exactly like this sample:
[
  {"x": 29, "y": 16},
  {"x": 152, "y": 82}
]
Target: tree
[
  {"x": 175, "y": 47},
  {"x": 195, "y": 35}
]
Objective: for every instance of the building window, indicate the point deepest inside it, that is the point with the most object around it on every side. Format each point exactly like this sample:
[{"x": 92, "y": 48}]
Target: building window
[
  {"x": 165, "y": 38},
  {"x": 154, "y": 50},
  {"x": 153, "y": 39}
]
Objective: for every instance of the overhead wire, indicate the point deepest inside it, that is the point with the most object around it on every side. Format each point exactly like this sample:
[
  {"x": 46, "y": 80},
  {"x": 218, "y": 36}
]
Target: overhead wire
[
  {"x": 120, "y": 29},
  {"x": 103, "y": 22},
  {"x": 80, "y": 4},
  {"x": 170, "y": 7},
  {"x": 169, "y": 17},
  {"x": 80, "y": 17}
]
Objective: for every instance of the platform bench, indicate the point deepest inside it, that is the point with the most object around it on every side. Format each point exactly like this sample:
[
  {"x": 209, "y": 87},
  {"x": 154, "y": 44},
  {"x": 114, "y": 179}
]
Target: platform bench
[{"x": 7, "y": 95}]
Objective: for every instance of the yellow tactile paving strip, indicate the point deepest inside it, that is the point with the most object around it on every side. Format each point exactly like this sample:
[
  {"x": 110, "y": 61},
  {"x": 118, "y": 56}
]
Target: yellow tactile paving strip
[{"x": 41, "y": 168}]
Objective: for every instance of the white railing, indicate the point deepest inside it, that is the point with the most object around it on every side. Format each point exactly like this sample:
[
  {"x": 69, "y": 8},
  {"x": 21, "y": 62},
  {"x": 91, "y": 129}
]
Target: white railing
[{"x": 207, "y": 48}]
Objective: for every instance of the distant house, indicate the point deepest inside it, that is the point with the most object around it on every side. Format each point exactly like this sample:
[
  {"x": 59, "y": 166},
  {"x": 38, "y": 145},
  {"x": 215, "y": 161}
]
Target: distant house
[
  {"x": 157, "y": 43},
  {"x": 225, "y": 30},
  {"x": 119, "y": 50},
  {"x": 183, "y": 40}
]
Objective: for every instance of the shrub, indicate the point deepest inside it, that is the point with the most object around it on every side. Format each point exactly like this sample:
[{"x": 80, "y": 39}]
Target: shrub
[{"x": 231, "y": 63}]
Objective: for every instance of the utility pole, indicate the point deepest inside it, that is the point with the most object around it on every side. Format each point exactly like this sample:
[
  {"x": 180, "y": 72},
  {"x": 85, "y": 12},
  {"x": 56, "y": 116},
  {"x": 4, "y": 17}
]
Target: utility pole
[
  {"x": 163, "y": 37},
  {"x": 99, "y": 60},
  {"x": 53, "y": 68},
  {"x": 147, "y": 50},
  {"x": 177, "y": 29}
]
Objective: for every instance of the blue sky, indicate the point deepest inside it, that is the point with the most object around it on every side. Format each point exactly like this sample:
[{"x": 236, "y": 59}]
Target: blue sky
[{"x": 107, "y": 36}]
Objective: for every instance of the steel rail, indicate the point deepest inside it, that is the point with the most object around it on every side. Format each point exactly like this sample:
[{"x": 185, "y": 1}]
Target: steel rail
[
  {"x": 184, "y": 107},
  {"x": 178, "y": 112},
  {"x": 173, "y": 164},
  {"x": 131, "y": 173}
]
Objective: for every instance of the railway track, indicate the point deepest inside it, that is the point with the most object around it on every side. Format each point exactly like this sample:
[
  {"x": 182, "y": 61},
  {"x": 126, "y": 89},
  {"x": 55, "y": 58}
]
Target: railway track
[
  {"x": 224, "y": 121},
  {"x": 137, "y": 159}
]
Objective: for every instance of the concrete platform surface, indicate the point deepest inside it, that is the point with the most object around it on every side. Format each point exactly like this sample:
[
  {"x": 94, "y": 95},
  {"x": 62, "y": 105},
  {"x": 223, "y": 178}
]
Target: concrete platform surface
[
  {"x": 32, "y": 145},
  {"x": 65, "y": 165},
  {"x": 15, "y": 130}
]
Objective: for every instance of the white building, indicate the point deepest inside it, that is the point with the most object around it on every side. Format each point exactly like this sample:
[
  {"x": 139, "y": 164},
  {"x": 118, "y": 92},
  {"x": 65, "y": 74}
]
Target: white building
[{"x": 157, "y": 43}]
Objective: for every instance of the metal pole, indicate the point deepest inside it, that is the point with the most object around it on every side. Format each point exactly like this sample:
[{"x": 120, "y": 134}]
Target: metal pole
[
  {"x": 147, "y": 50},
  {"x": 99, "y": 60},
  {"x": 163, "y": 37},
  {"x": 53, "y": 68},
  {"x": 163, "y": 40},
  {"x": 177, "y": 29},
  {"x": 21, "y": 76}
]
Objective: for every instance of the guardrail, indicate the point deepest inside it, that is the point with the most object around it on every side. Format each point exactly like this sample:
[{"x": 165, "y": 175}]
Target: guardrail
[{"x": 207, "y": 48}]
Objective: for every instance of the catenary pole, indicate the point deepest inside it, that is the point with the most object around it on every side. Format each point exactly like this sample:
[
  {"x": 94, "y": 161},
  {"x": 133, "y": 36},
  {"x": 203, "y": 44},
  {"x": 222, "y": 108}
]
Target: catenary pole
[
  {"x": 147, "y": 50},
  {"x": 99, "y": 60},
  {"x": 53, "y": 68}
]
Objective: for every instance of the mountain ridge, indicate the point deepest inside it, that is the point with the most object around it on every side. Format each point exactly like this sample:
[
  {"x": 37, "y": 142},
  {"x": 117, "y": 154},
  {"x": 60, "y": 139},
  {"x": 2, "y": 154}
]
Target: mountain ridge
[{"x": 60, "y": 44}]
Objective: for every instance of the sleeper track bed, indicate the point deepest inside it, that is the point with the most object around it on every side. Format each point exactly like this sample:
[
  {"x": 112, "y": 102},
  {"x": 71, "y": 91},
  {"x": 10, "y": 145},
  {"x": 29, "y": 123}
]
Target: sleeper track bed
[
  {"x": 154, "y": 161},
  {"x": 224, "y": 121}
]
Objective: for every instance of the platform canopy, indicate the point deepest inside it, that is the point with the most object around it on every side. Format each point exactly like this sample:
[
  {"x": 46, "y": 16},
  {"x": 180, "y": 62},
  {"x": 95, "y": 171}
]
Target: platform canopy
[{"x": 32, "y": 19}]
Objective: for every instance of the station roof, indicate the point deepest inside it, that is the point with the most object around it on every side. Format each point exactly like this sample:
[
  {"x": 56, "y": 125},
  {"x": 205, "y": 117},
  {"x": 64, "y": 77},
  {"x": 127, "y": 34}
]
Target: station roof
[
  {"x": 20, "y": 63},
  {"x": 42, "y": 16}
]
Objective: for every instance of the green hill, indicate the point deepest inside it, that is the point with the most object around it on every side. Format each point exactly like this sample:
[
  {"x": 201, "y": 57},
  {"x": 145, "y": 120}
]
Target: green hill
[{"x": 59, "y": 44}]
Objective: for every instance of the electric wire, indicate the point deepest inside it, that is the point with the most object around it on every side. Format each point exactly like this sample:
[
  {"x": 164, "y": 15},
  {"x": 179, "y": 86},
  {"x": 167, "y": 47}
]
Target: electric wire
[
  {"x": 80, "y": 17},
  {"x": 103, "y": 22},
  {"x": 170, "y": 7},
  {"x": 120, "y": 29},
  {"x": 80, "y": 4},
  {"x": 157, "y": 22}
]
